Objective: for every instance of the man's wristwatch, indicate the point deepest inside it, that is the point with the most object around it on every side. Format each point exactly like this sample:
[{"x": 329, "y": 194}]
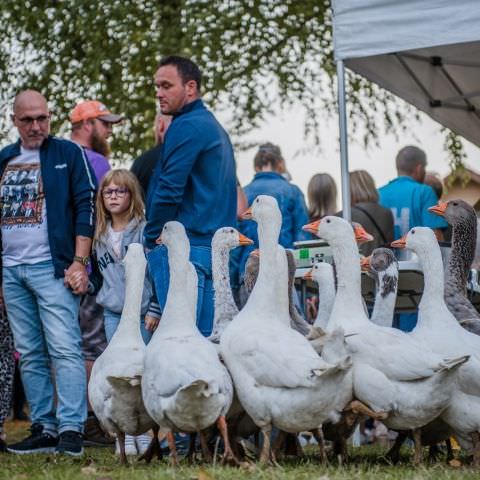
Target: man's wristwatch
[{"x": 83, "y": 260}]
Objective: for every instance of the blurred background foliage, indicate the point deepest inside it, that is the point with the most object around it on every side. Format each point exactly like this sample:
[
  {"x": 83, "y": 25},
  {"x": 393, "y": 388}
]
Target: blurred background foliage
[{"x": 253, "y": 54}]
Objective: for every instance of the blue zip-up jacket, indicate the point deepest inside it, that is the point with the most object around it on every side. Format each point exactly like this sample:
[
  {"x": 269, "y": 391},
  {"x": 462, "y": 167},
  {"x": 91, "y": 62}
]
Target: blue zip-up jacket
[
  {"x": 294, "y": 215},
  {"x": 195, "y": 180},
  {"x": 69, "y": 184}
]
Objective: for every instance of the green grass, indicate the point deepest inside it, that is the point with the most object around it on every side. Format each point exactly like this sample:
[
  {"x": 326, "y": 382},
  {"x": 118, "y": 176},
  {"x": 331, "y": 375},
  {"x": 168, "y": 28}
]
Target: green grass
[{"x": 101, "y": 464}]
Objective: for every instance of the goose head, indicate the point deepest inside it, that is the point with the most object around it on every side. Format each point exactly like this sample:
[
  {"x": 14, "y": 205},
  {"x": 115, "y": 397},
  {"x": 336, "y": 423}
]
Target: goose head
[
  {"x": 336, "y": 229},
  {"x": 135, "y": 257},
  {"x": 419, "y": 239},
  {"x": 228, "y": 238},
  {"x": 321, "y": 273},
  {"x": 175, "y": 238},
  {"x": 382, "y": 266},
  {"x": 264, "y": 210},
  {"x": 455, "y": 212}
]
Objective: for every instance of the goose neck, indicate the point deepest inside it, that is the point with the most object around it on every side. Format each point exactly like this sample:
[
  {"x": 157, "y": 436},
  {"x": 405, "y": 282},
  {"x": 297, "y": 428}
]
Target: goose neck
[
  {"x": 461, "y": 255},
  {"x": 432, "y": 266},
  {"x": 348, "y": 306},
  {"x": 129, "y": 326},
  {"x": 385, "y": 297},
  {"x": 223, "y": 298}
]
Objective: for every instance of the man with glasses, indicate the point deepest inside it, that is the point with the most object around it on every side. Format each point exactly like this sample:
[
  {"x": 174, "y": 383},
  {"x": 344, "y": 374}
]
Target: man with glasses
[
  {"x": 92, "y": 125},
  {"x": 41, "y": 253}
]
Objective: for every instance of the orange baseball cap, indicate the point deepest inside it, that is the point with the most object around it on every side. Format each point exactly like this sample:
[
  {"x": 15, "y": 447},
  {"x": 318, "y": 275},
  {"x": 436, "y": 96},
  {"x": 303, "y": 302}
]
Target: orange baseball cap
[{"x": 93, "y": 109}]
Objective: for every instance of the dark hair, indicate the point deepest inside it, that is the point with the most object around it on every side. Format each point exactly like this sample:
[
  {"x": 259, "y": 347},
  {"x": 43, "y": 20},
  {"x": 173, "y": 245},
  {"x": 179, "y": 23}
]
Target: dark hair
[
  {"x": 322, "y": 196},
  {"x": 409, "y": 157},
  {"x": 268, "y": 154},
  {"x": 187, "y": 69}
]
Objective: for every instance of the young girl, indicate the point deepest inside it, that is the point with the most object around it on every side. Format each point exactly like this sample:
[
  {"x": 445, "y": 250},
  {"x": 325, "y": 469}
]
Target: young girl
[{"x": 120, "y": 222}]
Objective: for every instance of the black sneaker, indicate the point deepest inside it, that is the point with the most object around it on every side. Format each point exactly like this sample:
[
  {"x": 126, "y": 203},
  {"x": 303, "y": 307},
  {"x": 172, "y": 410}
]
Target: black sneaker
[
  {"x": 38, "y": 442},
  {"x": 70, "y": 443}
]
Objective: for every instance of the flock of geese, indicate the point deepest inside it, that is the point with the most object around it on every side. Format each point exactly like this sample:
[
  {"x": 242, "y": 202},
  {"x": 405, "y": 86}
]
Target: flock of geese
[{"x": 264, "y": 368}]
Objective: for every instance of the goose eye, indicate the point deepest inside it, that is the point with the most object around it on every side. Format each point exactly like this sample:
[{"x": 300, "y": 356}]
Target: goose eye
[
  {"x": 455, "y": 204},
  {"x": 413, "y": 232},
  {"x": 257, "y": 200},
  {"x": 231, "y": 230},
  {"x": 328, "y": 220}
]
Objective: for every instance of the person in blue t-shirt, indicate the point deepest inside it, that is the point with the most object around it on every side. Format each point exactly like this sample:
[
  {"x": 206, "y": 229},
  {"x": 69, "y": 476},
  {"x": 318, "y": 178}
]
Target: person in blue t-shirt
[
  {"x": 409, "y": 199},
  {"x": 269, "y": 165}
]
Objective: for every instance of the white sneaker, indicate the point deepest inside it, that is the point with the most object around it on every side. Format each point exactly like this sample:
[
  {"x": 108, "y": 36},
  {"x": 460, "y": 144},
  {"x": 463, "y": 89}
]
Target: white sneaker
[
  {"x": 143, "y": 442},
  {"x": 130, "y": 446}
]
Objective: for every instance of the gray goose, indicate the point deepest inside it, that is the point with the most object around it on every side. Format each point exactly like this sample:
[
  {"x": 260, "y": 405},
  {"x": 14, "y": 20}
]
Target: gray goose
[{"x": 461, "y": 216}]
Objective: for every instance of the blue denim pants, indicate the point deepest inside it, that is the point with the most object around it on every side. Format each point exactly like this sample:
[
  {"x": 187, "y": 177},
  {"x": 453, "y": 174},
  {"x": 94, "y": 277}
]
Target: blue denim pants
[
  {"x": 112, "y": 319},
  {"x": 43, "y": 316},
  {"x": 201, "y": 258}
]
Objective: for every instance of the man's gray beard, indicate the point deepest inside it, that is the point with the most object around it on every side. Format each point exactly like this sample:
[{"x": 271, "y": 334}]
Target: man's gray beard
[{"x": 100, "y": 145}]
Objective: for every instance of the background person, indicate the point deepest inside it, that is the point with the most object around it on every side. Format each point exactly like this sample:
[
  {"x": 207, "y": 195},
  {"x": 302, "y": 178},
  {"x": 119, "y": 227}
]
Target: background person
[
  {"x": 92, "y": 125},
  {"x": 377, "y": 220},
  {"x": 194, "y": 183},
  {"x": 322, "y": 196},
  {"x": 269, "y": 166},
  {"x": 40, "y": 254},
  {"x": 143, "y": 167},
  {"x": 120, "y": 222},
  {"x": 407, "y": 196}
]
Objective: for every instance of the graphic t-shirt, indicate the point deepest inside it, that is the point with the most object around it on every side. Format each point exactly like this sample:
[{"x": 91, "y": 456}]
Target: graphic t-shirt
[
  {"x": 23, "y": 211},
  {"x": 115, "y": 239}
]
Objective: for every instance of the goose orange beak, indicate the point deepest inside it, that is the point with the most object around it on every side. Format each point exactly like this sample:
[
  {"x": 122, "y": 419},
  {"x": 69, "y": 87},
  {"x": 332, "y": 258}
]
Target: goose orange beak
[
  {"x": 365, "y": 263},
  {"x": 439, "y": 209},
  {"x": 308, "y": 275},
  {"x": 361, "y": 235},
  {"x": 158, "y": 241},
  {"x": 247, "y": 214},
  {"x": 243, "y": 240},
  {"x": 400, "y": 243},
  {"x": 312, "y": 227}
]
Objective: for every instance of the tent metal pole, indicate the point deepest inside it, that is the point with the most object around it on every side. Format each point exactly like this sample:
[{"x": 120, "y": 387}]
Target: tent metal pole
[{"x": 342, "y": 117}]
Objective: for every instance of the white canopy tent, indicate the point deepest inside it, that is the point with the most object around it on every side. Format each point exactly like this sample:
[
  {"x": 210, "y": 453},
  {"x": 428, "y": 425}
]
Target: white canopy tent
[{"x": 425, "y": 51}]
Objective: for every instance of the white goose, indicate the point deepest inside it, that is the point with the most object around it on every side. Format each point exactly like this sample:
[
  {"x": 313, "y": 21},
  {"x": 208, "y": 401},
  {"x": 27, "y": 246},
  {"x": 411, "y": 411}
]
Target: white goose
[
  {"x": 114, "y": 389},
  {"x": 280, "y": 380},
  {"x": 392, "y": 372},
  {"x": 438, "y": 328},
  {"x": 322, "y": 273},
  {"x": 224, "y": 240},
  {"x": 185, "y": 386}
]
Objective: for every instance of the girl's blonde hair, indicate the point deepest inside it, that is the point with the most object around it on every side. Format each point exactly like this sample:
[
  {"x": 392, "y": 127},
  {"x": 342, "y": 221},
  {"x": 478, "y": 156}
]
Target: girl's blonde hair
[
  {"x": 322, "y": 196},
  {"x": 122, "y": 178},
  {"x": 362, "y": 187}
]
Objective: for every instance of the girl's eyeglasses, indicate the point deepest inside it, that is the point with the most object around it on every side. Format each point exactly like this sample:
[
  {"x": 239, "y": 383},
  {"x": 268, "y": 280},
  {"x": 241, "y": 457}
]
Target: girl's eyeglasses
[{"x": 119, "y": 192}]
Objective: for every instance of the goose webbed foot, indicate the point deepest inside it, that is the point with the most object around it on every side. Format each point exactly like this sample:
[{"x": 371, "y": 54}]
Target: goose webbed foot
[
  {"x": 393, "y": 455},
  {"x": 228, "y": 455},
  {"x": 173, "y": 448},
  {"x": 267, "y": 457},
  {"x": 121, "y": 446},
  {"x": 206, "y": 453},
  {"x": 417, "y": 440},
  {"x": 476, "y": 449},
  {"x": 319, "y": 437},
  {"x": 153, "y": 449}
]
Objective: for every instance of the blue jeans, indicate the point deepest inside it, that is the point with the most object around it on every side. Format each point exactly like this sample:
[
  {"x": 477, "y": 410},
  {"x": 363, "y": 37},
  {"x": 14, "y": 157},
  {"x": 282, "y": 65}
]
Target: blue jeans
[
  {"x": 111, "y": 321},
  {"x": 43, "y": 316},
  {"x": 201, "y": 258}
]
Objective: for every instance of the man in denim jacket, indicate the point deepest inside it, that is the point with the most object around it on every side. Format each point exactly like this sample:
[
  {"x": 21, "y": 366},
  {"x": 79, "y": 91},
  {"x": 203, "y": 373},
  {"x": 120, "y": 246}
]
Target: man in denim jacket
[
  {"x": 47, "y": 191},
  {"x": 194, "y": 181}
]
